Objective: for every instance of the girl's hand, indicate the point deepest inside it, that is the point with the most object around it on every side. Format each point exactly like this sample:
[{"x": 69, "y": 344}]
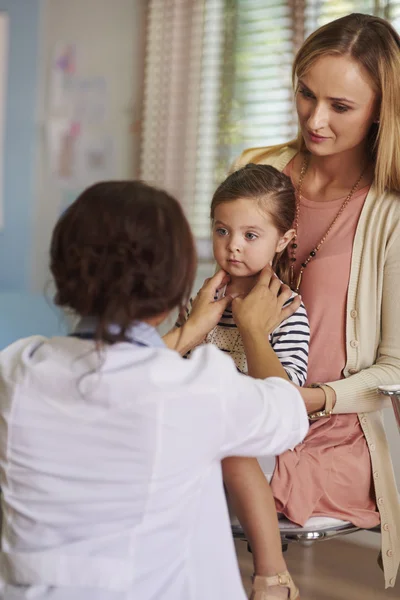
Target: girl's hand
[
  {"x": 262, "y": 310},
  {"x": 206, "y": 311}
]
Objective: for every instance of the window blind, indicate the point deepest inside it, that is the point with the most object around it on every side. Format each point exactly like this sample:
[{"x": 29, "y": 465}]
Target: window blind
[
  {"x": 263, "y": 53},
  {"x": 393, "y": 13},
  {"x": 319, "y": 12},
  {"x": 218, "y": 80}
]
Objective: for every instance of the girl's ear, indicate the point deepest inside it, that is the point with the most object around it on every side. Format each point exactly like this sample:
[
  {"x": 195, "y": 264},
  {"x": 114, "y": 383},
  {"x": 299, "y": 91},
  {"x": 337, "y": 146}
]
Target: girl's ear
[{"x": 284, "y": 240}]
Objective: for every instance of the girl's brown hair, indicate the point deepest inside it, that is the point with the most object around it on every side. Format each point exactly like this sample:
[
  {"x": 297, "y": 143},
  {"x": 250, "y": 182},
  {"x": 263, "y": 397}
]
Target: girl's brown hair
[
  {"x": 122, "y": 252},
  {"x": 274, "y": 193}
]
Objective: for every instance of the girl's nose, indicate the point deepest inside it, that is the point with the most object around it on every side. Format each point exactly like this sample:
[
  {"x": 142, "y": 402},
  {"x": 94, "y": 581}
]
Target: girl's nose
[{"x": 234, "y": 244}]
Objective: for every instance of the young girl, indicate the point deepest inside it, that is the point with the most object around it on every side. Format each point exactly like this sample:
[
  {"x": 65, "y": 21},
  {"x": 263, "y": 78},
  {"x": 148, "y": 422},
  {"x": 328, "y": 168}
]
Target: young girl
[{"x": 252, "y": 214}]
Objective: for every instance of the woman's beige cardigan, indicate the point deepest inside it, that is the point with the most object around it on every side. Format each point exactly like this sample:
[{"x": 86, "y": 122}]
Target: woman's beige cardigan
[{"x": 372, "y": 340}]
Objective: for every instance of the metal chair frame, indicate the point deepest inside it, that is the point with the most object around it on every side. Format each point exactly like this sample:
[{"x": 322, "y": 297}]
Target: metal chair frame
[{"x": 306, "y": 535}]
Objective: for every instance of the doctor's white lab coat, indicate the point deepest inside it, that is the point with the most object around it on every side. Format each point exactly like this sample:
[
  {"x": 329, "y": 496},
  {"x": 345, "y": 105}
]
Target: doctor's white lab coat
[{"x": 110, "y": 468}]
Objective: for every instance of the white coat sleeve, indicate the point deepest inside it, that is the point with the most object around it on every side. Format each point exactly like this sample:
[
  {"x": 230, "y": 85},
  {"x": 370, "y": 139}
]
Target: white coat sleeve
[{"x": 260, "y": 417}]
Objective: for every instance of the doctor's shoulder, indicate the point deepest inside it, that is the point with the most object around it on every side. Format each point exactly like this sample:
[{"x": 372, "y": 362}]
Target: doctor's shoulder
[{"x": 16, "y": 356}]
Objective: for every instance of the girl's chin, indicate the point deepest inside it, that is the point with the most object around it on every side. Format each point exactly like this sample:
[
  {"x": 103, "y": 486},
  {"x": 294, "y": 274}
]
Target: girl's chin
[{"x": 238, "y": 274}]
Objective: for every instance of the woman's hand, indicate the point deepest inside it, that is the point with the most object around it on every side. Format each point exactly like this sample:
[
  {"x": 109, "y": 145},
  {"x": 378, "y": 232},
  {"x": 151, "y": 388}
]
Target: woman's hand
[
  {"x": 205, "y": 314},
  {"x": 262, "y": 310}
]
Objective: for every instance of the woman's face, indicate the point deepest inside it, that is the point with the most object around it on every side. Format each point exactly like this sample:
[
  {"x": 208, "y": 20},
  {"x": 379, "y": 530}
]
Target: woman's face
[{"x": 336, "y": 105}]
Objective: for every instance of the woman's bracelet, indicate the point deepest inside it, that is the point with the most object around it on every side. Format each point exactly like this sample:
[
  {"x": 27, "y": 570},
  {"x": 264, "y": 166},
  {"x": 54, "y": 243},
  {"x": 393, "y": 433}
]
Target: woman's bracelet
[{"x": 329, "y": 402}]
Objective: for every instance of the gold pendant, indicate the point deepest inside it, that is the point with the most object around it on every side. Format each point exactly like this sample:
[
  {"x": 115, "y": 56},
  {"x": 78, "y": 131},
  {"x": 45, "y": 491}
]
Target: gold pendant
[{"x": 298, "y": 282}]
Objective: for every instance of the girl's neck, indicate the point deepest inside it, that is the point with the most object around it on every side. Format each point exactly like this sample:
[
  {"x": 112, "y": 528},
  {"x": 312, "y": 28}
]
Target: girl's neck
[{"x": 241, "y": 285}]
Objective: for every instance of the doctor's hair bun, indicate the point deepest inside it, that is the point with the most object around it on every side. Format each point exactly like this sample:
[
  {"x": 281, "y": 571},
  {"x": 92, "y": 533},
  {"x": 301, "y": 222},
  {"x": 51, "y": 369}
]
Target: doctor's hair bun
[{"x": 123, "y": 251}]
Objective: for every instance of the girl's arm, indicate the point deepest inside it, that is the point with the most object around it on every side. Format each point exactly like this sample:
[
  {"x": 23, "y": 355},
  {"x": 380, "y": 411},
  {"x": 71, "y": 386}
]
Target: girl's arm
[{"x": 290, "y": 341}]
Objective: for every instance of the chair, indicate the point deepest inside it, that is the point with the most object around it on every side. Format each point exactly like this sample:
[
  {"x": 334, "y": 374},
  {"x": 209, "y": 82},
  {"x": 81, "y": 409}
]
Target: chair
[
  {"x": 324, "y": 528},
  {"x": 393, "y": 391}
]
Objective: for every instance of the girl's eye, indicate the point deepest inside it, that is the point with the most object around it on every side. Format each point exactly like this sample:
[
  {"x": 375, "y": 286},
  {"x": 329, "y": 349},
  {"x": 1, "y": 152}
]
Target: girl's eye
[
  {"x": 341, "y": 108},
  {"x": 305, "y": 93},
  {"x": 250, "y": 236},
  {"x": 221, "y": 231}
]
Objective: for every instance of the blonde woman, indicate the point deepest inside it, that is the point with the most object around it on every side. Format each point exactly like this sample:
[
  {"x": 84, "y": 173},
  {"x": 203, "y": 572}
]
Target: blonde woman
[{"x": 345, "y": 166}]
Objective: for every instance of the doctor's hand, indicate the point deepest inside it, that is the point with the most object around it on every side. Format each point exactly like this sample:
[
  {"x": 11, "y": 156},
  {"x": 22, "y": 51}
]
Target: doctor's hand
[
  {"x": 206, "y": 311},
  {"x": 204, "y": 316},
  {"x": 261, "y": 311}
]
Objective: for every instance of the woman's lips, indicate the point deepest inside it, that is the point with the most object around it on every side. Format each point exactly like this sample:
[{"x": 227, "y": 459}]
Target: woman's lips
[{"x": 316, "y": 138}]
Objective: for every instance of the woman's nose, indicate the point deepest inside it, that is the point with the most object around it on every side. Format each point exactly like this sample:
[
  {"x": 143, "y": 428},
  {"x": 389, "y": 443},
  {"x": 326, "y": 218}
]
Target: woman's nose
[{"x": 318, "y": 118}]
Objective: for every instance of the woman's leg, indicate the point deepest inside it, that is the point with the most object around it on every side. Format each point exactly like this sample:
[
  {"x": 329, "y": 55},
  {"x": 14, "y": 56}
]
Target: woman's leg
[{"x": 251, "y": 498}]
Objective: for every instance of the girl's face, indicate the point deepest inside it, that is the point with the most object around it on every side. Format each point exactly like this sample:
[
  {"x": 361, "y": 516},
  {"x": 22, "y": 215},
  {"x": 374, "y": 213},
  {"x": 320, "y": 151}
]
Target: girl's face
[
  {"x": 244, "y": 238},
  {"x": 336, "y": 105}
]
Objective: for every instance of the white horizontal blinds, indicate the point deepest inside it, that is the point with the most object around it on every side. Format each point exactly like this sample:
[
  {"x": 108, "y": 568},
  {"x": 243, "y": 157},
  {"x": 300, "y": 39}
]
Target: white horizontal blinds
[
  {"x": 262, "y": 97},
  {"x": 207, "y": 123},
  {"x": 393, "y": 13},
  {"x": 172, "y": 72},
  {"x": 319, "y": 12}
]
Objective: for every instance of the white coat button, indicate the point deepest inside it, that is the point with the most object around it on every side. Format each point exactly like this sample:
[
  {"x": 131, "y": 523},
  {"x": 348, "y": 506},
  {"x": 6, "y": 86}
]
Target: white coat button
[
  {"x": 353, "y": 314},
  {"x": 389, "y": 552},
  {"x": 386, "y": 527},
  {"x": 380, "y": 501},
  {"x": 354, "y": 343},
  {"x": 372, "y": 447},
  {"x": 353, "y": 371},
  {"x": 376, "y": 474},
  {"x": 364, "y": 420}
]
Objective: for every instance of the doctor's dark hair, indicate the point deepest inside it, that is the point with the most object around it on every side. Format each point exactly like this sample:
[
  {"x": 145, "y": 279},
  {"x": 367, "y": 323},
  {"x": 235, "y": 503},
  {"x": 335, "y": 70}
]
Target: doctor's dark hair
[
  {"x": 274, "y": 194},
  {"x": 123, "y": 251}
]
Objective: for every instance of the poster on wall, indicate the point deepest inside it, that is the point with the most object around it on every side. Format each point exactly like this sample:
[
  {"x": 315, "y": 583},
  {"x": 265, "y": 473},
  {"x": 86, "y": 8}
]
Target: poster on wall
[
  {"x": 62, "y": 80},
  {"x": 79, "y": 143},
  {"x": 3, "y": 94}
]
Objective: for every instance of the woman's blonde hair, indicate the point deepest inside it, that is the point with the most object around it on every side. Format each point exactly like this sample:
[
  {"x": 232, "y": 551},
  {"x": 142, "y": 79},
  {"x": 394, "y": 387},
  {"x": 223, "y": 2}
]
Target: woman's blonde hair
[{"x": 375, "y": 45}]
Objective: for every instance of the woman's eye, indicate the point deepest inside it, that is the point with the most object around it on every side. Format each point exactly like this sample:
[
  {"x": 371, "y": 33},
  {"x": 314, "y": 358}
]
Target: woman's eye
[
  {"x": 341, "y": 108},
  {"x": 305, "y": 93},
  {"x": 250, "y": 236},
  {"x": 221, "y": 231}
]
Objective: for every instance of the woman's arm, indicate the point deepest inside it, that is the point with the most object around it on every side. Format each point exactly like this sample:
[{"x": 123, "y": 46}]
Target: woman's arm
[
  {"x": 358, "y": 393},
  {"x": 256, "y": 316}
]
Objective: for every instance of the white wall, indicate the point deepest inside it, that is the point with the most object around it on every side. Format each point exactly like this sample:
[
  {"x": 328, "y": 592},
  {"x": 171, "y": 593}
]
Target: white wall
[{"x": 109, "y": 36}]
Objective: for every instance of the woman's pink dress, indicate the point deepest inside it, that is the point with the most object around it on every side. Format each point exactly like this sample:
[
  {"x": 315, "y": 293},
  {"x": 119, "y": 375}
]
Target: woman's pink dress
[{"x": 329, "y": 474}]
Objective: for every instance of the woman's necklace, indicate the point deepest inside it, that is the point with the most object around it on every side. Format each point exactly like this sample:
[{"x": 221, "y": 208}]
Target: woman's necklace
[{"x": 296, "y": 281}]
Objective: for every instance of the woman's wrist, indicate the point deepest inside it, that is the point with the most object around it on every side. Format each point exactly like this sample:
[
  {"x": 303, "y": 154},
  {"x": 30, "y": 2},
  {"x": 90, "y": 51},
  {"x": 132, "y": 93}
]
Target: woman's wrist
[{"x": 316, "y": 401}]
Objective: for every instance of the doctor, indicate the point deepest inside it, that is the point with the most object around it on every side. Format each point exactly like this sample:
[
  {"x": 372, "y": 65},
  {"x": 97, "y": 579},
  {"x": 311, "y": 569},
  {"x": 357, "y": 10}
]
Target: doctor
[{"x": 110, "y": 442}]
